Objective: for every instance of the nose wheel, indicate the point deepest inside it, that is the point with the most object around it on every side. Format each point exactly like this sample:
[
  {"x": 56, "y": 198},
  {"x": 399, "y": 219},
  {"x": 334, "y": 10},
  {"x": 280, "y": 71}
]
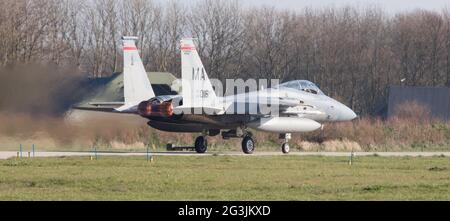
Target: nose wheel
[
  {"x": 285, "y": 146},
  {"x": 201, "y": 144}
]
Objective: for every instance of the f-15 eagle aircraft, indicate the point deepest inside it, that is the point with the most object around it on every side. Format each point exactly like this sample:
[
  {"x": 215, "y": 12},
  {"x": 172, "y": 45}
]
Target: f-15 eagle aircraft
[{"x": 300, "y": 105}]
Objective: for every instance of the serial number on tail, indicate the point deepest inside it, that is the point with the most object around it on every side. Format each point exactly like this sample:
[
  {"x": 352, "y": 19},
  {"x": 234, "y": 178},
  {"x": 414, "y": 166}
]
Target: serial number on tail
[{"x": 203, "y": 93}]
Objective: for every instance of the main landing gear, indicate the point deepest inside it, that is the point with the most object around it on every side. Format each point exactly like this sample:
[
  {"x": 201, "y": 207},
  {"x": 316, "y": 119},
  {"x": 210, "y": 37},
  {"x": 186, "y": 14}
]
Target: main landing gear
[
  {"x": 248, "y": 144},
  {"x": 201, "y": 144},
  {"x": 285, "y": 144}
]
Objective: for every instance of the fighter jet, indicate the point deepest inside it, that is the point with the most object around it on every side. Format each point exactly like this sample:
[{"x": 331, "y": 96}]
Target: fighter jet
[{"x": 300, "y": 106}]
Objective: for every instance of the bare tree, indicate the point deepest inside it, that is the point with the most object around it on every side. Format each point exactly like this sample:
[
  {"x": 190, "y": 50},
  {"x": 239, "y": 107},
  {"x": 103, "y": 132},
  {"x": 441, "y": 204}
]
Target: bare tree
[
  {"x": 219, "y": 29},
  {"x": 354, "y": 54}
]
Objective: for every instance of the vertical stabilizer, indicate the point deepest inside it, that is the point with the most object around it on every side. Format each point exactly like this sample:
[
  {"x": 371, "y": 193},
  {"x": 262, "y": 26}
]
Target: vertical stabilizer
[
  {"x": 197, "y": 90},
  {"x": 137, "y": 86}
]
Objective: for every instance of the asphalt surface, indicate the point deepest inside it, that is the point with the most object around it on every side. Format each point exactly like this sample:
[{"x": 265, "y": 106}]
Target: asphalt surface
[{"x": 10, "y": 154}]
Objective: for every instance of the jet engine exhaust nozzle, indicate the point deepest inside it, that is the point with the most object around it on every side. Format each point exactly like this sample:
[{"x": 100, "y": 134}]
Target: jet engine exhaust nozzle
[{"x": 154, "y": 109}]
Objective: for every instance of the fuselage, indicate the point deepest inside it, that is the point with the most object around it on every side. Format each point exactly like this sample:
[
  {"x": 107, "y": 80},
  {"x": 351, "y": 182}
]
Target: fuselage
[{"x": 251, "y": 109}]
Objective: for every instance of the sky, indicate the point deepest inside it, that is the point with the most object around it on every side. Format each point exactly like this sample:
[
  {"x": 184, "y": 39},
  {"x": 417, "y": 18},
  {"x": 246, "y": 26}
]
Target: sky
[{"x": 390, "y": 6}]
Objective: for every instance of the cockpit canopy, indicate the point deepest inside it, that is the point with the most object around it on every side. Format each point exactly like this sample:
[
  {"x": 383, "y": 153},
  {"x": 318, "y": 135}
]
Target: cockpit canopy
[{"x": 301, "y": 85}]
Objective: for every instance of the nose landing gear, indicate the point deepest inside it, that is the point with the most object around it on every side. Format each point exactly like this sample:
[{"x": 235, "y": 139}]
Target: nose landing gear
[{"x": 285, "y": 145}]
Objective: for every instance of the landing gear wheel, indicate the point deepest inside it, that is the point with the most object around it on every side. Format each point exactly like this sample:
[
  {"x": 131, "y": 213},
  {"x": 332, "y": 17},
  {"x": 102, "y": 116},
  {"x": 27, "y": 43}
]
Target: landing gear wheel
[
  {"x": 248, "y": 145},
  {"x": 285, "y": 148},
  {"x": 201, "y": 144}
]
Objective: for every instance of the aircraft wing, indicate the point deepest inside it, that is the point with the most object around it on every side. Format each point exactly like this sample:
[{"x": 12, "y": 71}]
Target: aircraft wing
[{"x": 104, "y": 104}]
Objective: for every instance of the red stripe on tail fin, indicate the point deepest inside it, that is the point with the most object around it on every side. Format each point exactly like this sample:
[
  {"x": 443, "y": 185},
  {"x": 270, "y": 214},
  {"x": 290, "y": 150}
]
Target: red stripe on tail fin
[{"x": 129, "y": 48}]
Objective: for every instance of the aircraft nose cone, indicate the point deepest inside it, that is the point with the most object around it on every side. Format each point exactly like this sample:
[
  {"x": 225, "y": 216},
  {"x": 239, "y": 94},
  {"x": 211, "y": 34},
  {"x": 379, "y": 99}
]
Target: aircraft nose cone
[{"x": 347, "y": 114}]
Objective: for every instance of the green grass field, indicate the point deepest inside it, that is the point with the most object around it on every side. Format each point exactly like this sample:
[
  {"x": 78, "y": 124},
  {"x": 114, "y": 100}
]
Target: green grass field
[{"x": 226, "y": 178}]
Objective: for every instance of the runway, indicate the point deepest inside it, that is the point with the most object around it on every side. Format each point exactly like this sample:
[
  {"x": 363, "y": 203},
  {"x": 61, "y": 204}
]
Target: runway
[{"x": 11, "y": 154}]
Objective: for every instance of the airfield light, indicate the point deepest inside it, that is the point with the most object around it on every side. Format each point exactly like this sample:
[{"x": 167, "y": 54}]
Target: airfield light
[
  {"x": 149, "y": 155},
  {"x": 350, "y": 162},
  {"x": 95, "y": 152}
]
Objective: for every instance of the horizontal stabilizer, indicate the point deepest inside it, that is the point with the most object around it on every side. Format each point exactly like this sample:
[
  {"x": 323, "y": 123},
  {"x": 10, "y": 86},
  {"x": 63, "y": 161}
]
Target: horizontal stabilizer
[
  {"x": 127, "y": 108},
  {"x": 106, "y": 104},
  {"x": 99, "y": 109},
  {"x": 100, "y": 106}
]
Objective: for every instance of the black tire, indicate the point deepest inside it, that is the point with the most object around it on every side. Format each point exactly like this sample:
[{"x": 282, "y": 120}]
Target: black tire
[
  {"x": 248, "y": 145},
  {"x": 201, "y": 144},
  {"x": 285, "y": 148}
]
